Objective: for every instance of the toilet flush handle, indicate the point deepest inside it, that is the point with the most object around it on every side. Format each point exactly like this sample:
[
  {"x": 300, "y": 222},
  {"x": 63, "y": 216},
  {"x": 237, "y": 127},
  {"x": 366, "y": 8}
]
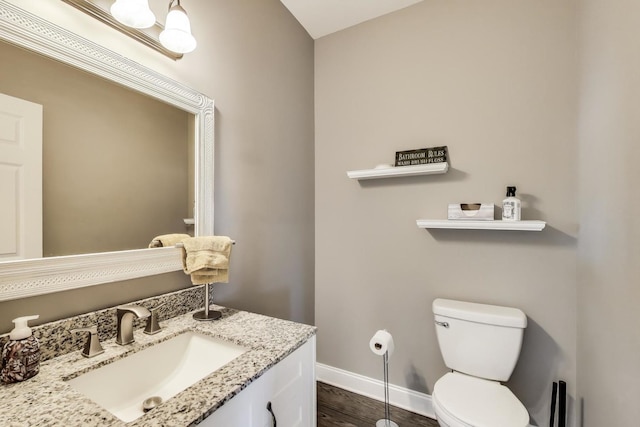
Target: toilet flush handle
[{"x": 444, "y": 324}]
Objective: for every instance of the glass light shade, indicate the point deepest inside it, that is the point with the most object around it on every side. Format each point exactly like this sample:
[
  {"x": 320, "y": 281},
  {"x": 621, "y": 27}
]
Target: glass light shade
[
  {"x": 133, "y": 13},
  {"x": 177, "y": 32}
]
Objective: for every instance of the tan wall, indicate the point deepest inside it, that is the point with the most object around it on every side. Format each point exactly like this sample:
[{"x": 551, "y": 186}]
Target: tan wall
[
  {"x": 495, "y": 81},
  {"x": 256, "y": 61},
  {"x": 115, "y": 162},
  {"x": 609, "y": 253}
]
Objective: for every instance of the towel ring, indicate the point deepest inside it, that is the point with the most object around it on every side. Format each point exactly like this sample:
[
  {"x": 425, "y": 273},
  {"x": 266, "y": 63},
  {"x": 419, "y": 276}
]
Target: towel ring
[{"x": 205, "y": 314}]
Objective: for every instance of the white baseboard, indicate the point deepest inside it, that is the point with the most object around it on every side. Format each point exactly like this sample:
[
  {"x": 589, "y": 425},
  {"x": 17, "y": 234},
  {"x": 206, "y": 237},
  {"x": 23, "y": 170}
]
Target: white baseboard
[{"x": 413, "y": 401}]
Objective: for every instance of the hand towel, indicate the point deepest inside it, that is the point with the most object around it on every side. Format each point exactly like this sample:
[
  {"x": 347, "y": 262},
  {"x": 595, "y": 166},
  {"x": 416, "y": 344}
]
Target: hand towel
[
  {"x": 206, "y": 259},
  {"x": 167, "y": 240}
]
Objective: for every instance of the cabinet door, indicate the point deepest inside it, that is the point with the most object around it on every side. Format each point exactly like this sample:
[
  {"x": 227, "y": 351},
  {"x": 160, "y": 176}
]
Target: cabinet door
[
  {"x": 291, "y": 389},
  {"x": 237, "y": 412}
]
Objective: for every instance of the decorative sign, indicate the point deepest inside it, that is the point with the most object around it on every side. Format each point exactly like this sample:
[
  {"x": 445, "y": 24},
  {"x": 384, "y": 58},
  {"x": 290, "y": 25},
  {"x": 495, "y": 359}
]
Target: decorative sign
[{"x": 422, "y": 156}]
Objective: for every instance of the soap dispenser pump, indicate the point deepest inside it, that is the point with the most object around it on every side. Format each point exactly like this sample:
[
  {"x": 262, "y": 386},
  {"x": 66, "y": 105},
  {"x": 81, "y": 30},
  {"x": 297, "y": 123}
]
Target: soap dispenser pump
[{"x": 21, "y": 355}]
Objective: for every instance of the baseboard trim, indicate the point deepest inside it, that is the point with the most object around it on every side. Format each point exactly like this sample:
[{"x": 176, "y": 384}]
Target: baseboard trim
[{"x": 413, "y": 401}]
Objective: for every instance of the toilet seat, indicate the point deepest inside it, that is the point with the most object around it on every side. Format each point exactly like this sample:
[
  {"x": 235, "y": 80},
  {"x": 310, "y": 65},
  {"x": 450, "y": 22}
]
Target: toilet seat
[{"x": 466, "y": 401}]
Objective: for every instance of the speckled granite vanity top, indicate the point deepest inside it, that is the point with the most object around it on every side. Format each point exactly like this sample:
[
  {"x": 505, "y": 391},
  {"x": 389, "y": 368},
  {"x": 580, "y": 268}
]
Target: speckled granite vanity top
[{"x": 47, "y": 400}]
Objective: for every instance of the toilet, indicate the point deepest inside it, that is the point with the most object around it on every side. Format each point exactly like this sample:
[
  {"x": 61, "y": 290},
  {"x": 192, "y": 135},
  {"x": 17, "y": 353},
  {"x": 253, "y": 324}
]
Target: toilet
[{"x": 481, "y": 344}]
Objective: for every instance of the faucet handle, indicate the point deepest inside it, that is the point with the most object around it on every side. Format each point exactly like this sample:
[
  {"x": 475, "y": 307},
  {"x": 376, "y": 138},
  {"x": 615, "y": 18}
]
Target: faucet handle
[
  {"x": 92, "y": 346},
  {"x": 152, "y": 321}
]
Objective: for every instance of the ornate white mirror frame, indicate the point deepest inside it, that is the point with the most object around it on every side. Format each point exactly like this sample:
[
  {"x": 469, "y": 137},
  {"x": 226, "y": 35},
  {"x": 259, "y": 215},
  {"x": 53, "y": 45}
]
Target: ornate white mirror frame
[{"x": 24, "y": 278}]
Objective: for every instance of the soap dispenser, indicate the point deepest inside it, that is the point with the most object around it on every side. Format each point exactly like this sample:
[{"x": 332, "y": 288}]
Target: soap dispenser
[
  {"x": 21, "y": 355},
  {"x": 511, "y": 206}
]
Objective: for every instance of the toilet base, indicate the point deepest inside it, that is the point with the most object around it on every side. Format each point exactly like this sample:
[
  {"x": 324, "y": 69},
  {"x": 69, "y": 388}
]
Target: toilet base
[
  {"x": 444, "y": 418},
  {"x": 386, "y": 423},
  {"x": 477, "y": 402}
]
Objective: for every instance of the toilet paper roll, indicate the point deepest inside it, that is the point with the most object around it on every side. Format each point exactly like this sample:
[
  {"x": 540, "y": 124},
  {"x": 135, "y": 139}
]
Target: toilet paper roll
[{"x": 381, "y": 343}]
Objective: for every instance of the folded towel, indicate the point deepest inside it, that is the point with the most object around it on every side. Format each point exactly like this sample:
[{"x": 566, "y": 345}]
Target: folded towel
[
  {"x": 206, "y": 259},
  {"x": 167, "y": 240}
]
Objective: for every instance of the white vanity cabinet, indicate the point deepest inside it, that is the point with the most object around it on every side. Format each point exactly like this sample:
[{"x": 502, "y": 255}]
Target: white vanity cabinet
[{"x": 289, "y": 387}]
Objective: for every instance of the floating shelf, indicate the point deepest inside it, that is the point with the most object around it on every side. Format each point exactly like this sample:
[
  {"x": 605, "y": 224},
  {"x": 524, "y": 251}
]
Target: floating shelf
[
  {"x": 394, "y": 172},
  {"x": 482, "y": 225}
]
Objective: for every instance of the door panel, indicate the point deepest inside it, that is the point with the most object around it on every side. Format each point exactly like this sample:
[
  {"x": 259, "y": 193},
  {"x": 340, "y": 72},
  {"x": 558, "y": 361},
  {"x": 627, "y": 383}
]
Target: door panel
[{"x": 20, "y": 179}]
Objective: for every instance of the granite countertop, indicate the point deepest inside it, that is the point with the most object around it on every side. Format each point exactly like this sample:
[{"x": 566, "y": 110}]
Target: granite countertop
[{"x": 47, "y": 400}]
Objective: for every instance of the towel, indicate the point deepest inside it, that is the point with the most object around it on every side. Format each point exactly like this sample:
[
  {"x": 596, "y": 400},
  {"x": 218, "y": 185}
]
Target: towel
[
  {"x": 167, "y": 240},
  {"x": 206, "y": 259}
]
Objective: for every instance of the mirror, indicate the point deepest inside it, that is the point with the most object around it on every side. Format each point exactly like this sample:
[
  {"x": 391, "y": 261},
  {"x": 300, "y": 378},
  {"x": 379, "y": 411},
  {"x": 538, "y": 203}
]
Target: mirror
[
  {"x": 110, "y": 157},
  {"x": 30, "y": 277}
]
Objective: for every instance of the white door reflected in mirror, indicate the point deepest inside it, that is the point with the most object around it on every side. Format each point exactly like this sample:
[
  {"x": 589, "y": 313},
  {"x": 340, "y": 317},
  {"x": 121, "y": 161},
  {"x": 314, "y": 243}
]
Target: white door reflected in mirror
[{"x": 20, "y": 179}]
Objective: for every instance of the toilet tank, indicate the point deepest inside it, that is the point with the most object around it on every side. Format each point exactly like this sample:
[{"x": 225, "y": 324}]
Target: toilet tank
[{"x": 478, "y": 339}]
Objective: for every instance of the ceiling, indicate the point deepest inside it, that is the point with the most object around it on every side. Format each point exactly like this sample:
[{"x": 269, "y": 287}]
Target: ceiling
[{"x": 322, "y": 17}]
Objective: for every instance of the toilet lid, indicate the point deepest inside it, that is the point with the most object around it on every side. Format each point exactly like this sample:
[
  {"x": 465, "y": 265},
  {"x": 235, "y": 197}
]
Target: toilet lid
[{"x": 479, "y": 402}]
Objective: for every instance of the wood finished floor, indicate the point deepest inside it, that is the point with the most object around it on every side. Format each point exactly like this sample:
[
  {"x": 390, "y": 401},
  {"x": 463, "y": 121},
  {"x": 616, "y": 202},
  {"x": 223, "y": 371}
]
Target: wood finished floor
[{"x": 340, "y": 408}]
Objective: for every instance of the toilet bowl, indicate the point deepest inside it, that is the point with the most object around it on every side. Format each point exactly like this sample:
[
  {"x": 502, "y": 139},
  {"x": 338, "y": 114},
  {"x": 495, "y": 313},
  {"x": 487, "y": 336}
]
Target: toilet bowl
[
  {"x": 460, "y": 400},
  {"x": 481, "y": 344}
]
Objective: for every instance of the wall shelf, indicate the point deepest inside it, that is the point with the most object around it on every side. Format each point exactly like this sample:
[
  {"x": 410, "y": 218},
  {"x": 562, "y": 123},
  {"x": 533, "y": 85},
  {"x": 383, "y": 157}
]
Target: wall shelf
[
  {"x": 394, "y": 172},
  {"x": 482, "y": 225}
]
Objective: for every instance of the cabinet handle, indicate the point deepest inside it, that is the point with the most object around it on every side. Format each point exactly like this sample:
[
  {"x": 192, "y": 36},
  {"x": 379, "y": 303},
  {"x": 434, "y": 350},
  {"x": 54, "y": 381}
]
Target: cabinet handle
[{"x": 275, "y": 422}]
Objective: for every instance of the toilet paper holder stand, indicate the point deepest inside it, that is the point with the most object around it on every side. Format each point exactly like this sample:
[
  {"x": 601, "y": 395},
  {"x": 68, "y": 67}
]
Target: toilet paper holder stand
[{"x": 386, "y": 421}]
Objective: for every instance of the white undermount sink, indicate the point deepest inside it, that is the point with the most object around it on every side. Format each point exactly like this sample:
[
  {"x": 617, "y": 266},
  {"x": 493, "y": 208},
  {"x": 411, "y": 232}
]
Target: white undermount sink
[{"x": 162, "y": 370}]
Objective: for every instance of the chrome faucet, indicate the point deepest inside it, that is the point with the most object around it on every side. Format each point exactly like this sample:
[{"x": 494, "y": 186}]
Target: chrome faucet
[{"x": 125, "y": 314}]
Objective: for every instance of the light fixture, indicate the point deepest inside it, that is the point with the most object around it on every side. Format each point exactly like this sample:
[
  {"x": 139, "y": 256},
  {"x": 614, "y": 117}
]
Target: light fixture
[
  {"x": 133, "y": 13},
  {"x": 106, "y": 11},
  {"x": 176, "y": 35}
]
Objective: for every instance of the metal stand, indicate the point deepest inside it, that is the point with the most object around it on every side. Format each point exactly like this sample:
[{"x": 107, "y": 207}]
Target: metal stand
[
  {"x": 386, "y": 421},
  {"x": 207, "y": 314}
]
